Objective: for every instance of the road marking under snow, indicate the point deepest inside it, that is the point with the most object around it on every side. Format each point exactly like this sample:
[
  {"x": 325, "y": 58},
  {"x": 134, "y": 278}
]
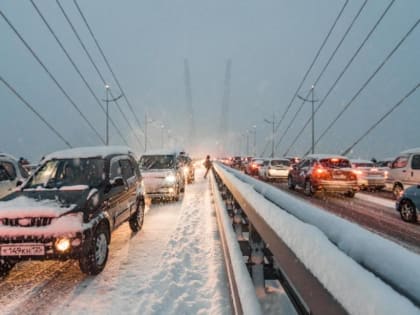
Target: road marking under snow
[{"x": 380, "y": 201}]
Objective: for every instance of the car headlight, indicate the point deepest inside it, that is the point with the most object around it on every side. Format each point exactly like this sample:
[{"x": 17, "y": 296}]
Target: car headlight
[
  {"x": 62, "y": 245},
  {"x": 170, "y": 179}
]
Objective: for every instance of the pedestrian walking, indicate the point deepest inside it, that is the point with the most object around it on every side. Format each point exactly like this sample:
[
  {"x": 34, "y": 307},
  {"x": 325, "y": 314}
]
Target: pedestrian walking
[{"x": 208, "y": 165}]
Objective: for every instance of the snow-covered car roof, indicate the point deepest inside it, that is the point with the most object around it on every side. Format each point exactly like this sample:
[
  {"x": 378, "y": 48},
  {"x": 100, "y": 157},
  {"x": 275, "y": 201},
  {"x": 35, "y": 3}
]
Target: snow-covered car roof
[
  {"x": 326, "y": 156},
  {"x": 413, "y": 150},
  {"x": 161, "y": 152},
  {"x": 88, "y": 152},
  {"x": 360, "y": 161}
]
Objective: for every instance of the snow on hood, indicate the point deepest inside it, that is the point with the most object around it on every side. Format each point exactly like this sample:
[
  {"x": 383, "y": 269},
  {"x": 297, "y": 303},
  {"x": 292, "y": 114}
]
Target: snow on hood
[{"x": 23, "y": 207}]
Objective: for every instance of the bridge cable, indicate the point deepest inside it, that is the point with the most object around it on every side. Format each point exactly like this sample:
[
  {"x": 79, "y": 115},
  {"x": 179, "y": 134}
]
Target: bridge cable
[
  {"x": 368, "y": 80},
  {"x": 345, "y": 152},
  {"x": 51, "y": 76},
  {"x": 342, "y": 72},
  {"x": 323, "y": 71},
  {"x": 310, "y": 68},
  {"x": 95, "y": 66},
  {"x": 35, "y": 112},
  {"x": 76, "y": 68},
  {"x": 107, "y": 63}
]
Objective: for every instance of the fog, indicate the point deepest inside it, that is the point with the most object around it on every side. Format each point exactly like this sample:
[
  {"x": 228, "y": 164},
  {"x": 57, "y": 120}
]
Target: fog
[{"x": 271, "y": 45}]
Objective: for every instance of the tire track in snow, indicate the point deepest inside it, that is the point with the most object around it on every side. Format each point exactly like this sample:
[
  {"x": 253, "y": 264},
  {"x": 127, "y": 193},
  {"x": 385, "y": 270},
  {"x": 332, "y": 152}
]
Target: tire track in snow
[{"x": 190, "y": 278}]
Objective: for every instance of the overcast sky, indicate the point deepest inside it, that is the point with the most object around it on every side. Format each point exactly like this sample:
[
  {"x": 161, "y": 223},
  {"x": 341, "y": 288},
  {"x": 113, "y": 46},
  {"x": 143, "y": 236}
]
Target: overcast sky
[{"x": 271, "y": 45}]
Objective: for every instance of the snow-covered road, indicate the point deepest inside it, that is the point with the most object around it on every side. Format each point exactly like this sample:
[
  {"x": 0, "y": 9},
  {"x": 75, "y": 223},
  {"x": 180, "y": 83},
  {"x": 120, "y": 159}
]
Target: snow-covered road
[{"x": 173, "y": 266}]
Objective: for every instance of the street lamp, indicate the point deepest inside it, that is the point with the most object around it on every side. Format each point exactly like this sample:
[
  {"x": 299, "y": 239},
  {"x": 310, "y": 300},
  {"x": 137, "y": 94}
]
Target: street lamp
[
  {"x": 162, "y": 127},
  {"x": 312, "y": 100},
  {"x": 273, "y": 123},
  {"x": 107, "y": 100},
  {"x": 254, "y": 131}
]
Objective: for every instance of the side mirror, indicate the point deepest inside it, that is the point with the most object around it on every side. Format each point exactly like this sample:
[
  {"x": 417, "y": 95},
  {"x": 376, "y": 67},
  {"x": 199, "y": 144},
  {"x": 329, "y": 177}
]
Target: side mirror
[{"x": 117, "y": 182}]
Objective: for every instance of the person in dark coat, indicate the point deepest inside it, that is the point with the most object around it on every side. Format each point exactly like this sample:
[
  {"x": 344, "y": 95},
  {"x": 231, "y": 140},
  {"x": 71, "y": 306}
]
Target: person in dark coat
[{"x": 208, "y": 165}]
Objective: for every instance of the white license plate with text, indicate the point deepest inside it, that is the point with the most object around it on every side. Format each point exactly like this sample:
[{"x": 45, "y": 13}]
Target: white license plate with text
[{"x": 23, "y": 250}]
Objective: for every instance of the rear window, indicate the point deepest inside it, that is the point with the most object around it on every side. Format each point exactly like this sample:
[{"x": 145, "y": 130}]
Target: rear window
[
  {"x": 335, "y": 163},
  {"x": 363, "y": 165},
  {"x": 280, "y": 163}
]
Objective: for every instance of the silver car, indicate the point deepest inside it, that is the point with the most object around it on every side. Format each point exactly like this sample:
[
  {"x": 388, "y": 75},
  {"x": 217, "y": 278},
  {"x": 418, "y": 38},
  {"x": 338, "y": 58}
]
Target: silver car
[
  {"x": 368, "y": 175},
  {"x": 12, "y": 174}
]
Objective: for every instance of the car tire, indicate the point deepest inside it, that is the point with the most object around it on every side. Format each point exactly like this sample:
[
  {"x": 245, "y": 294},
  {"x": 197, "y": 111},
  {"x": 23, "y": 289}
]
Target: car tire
[
  {"x": 5, "y": 267},
  {"x": 137, "y": 219},
  {"x": 176, "y": 197},
  {"x": 290, "y": 183},
  {"x": 94, "y": 259},
  {"x": 396, "y": 190},
  {"x": 408, "y": 211},
  {"x": 350, "y": 194},
  {"x": 308, "y": 188}
]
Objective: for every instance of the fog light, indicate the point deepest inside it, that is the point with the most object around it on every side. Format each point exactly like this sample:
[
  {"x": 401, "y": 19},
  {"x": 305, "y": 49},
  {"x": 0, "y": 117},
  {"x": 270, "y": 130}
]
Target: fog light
[
  {"x": 171, "y": 190},
  {"x": 62, "y": 245}
]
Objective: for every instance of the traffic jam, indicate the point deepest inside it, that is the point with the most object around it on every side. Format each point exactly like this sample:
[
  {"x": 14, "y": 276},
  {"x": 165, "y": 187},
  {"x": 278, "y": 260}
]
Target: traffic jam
[{"x": 383, "y": 196}]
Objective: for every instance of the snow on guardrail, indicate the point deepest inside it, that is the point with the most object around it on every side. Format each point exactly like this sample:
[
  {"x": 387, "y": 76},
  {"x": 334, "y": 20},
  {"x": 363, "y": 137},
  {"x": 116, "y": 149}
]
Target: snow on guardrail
[
  {"x": 242, "y": 282},
  {"x": 362, "y": 270}
]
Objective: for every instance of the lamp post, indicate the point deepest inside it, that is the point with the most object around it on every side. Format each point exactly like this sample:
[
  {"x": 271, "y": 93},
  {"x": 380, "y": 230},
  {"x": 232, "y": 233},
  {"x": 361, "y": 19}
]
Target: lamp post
[
  {"x": 162, "y": 127},
  {"x": 254, "y": 131},
  {"x": 107, "y": 100},
  {"x": 273, "y": 123},
  {"x": 312, "y": 100}
]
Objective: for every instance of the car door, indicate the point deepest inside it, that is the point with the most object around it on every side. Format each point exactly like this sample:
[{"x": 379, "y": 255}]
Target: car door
[
  {"x": 117, "y": 193},
  {"x": 414, "y": 173},
  {"x": 302, "y": 171}
]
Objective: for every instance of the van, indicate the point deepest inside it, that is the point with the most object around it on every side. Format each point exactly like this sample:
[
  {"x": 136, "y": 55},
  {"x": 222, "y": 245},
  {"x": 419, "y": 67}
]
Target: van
[{"x": 404, "y": 171}]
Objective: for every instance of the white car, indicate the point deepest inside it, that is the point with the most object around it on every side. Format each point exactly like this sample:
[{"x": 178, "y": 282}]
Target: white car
[
  {"x": 368, "y": 175},
  {"x": 163, "y": 175},
  {"x": 274, "y": 169},
  {"x": 404, "y": 171},
  {"x": 12, "y": 174}
]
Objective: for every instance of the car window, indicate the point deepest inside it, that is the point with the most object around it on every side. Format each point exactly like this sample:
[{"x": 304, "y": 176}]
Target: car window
[
  {"x": 304, "y": 163},
  {"x": 415, "y": 162},
  {"x": 115, "y": 169},
  {"x": 335, "y": 163},
  {"x": 23, "y": 171},
  {"x": 400, "y": 162},
  {"x": 127, "y": 169},
  {"x": 157, "y": 162},
  {"x": 280, "y": 163},
  {"x": 363, "y": 165},
  {"x": 10, "y": 169},
  {"x": 3, "y": 174}
]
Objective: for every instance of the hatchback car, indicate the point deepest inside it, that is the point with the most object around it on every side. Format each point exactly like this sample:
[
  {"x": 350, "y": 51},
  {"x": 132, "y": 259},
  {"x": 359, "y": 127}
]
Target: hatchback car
[
  {"x": 408, "y": 204},
  {"x": 68, "y": 208},
  {"x": 322, "y": 172},
  {"x": 12, "y": 174},
  {"x": 162, "y": 174},
  {"x": 253, "y": 167},
  {"x": 274, "y": 169},
  {"x": 368, "y": 175}
]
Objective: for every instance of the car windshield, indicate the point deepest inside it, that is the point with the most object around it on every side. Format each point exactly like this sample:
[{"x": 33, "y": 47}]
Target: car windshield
[
  {"x": 68, "y": 172},
  {"x": 280, "y": 162},
  {"x": 148, "y": 162},
  {"x": 335, "y": 163}
]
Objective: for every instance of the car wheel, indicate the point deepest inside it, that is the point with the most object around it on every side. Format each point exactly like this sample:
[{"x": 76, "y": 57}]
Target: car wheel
[
  {"x": 308, "y": 189},
  {"x": 176, "y": 197},
  {"x": 290, "y": 184},
  {"x": 350, "y": 193},
  {"x": 408, "y": 211},
  {"x": 5, "y": 266},
  {"x": 397, "y": 190},
  {"x": 96, "y": 256},
  {"x": 136, "y": 220}
]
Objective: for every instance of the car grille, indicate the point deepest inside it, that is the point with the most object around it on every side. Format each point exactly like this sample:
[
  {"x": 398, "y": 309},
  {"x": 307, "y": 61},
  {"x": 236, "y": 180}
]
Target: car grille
[{"x": 27, "y": 222}]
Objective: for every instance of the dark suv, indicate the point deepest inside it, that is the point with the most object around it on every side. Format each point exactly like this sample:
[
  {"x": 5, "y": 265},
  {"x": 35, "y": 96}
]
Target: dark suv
[
  {"x": 321, "y": 172},
  {"x": 68, "y": 208}
]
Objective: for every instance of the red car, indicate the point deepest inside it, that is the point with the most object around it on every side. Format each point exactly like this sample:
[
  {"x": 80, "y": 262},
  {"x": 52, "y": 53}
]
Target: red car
[{"x": 321, "y": 172}]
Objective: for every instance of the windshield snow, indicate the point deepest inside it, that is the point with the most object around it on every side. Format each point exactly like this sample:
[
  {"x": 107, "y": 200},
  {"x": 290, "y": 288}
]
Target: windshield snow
[
  {"x": 68, "y": 172},
  {"x": 148, "y": 162}
]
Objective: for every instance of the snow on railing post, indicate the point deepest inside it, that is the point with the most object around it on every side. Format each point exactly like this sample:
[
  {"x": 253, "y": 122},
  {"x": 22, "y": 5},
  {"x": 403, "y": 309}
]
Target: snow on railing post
[
  {"x": 257, "y": 261},
  {"x": 237, "y": 222}
]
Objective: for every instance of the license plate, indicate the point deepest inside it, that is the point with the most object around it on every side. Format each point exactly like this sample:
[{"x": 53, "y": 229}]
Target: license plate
[
  {"x": 23, "y": 250},
  {"x": 339, "y": 176}
]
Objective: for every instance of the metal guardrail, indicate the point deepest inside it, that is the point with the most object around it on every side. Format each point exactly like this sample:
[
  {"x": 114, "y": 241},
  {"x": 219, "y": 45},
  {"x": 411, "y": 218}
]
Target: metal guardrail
[{"x": 270, "y": 257}]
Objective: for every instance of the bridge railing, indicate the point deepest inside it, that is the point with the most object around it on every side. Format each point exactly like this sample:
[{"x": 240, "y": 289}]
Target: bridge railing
[{"x": 325, "y": 264}]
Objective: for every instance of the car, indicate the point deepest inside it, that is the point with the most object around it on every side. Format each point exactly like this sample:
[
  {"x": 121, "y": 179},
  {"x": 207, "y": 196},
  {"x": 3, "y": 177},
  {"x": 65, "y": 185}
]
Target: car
[
  {"x": 323, "y": 172},
  {"x": 274, "y": 169},
  {"x": 12, "y": 174},
  {"x": 253, "y": 166},
  {"x": 293, "y": 159},
  {"x": 404, "y": 171},
  {"x": 188, "y": 167},
  {"x": 162, "y": 174},
  {"x": 236, "y": 162},
  {"x": 368, "y": 175},
  {"x": 408, "y": 204},
  {"x": 70, "y": 206}
]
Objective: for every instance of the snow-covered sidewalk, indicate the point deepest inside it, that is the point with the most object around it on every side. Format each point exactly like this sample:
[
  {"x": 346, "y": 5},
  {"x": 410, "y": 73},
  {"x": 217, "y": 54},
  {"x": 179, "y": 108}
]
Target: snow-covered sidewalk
[{"x": 173, "y": 266}]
